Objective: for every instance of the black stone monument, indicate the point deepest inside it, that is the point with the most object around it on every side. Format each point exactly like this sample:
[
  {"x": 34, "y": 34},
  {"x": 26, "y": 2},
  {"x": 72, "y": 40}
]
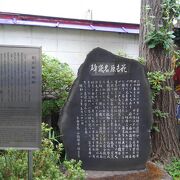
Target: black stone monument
[{"x": 106, "y": 120}]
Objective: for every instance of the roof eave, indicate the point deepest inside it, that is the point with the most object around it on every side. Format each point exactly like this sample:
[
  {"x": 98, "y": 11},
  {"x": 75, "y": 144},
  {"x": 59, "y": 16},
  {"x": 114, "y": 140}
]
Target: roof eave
[{"x": 44, "y": 21}]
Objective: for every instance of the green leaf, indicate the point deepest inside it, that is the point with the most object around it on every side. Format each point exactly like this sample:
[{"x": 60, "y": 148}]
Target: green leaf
[
  {"x": 155, "y": 128},
  {"x": 57, "y": 79},
  {"x": 151, "y": 46}
]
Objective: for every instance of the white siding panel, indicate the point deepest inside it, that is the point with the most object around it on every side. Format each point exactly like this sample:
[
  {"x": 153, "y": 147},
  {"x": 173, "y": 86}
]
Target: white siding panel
[
  {"x": 44, "y": 33},
  {"x": 17, "y": 41},
  {"x": 49, "y": 45},
  {"x": 66, "y": 34},
  {"x": 88, "y": 46},
  {"x": 70, "y": 46},
  {"x": 71, "y": 58},
  {"x": 37, "y": 42},
  {"x": 19, "y": 31}
]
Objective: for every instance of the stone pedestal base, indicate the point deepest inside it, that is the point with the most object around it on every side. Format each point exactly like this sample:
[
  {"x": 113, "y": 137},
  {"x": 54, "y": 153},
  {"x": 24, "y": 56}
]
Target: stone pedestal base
[{"x": 152, "y": 172}]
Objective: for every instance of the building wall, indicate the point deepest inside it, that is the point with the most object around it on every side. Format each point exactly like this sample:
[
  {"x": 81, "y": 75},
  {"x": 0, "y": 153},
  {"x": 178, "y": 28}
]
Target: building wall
[{"x": 68, "y": 45}]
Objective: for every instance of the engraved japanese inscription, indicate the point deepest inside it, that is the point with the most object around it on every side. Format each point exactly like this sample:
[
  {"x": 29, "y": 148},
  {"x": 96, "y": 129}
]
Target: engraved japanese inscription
[
  {"x": 20, "y": 97},
  {"x": 106, "y": 120}
]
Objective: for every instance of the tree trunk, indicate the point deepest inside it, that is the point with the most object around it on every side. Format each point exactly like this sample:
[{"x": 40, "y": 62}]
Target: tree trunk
[{"x": 165, "y": 144}]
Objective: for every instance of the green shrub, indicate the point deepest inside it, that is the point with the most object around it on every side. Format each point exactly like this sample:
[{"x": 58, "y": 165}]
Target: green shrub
[
  {"x": 46, "y": 162},
  {"x": 57, "y": 79},
  {"x": 13, "y": 164},
  {"x": 174, "y": 169}
]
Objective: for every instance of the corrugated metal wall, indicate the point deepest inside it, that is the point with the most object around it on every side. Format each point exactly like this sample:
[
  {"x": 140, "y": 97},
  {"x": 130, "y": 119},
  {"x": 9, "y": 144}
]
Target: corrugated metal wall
[{"x": 70, "y": 46}]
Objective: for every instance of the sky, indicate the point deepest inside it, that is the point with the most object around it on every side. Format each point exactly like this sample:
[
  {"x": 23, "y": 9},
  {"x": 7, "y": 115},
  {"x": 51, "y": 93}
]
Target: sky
[{"x": 101, "y": 10}]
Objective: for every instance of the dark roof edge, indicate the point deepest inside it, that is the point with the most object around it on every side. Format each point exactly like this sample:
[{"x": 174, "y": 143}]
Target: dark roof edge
[{"x": 36, "y": 20}]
